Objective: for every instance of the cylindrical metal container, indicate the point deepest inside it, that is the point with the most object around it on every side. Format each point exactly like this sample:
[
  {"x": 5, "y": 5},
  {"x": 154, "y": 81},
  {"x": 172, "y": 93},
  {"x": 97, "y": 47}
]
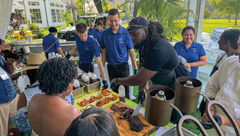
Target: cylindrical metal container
[
  {"x": 186, "y": 97},
  {"x": 158, "y": 112}
]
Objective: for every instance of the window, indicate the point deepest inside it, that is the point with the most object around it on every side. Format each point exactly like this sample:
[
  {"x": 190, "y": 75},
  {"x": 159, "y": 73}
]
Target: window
[
  {"x": 33, "y": 3},
  {"x": 57, "y": 5},
  {"x": 52, "y": 4},
  {"x": 59, "y": 17},
  {"x": 36, "y": 16},
  {"x": 61, "y": 5},
  {"x": 54, "y": 17}
]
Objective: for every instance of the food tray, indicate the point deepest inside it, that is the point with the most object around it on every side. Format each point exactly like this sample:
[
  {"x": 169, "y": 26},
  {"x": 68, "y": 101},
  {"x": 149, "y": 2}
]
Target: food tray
[
  {"x": 87, "y": 96},
  {"x": 79, "y": 92},
  {"x": 93, "y": 87}
]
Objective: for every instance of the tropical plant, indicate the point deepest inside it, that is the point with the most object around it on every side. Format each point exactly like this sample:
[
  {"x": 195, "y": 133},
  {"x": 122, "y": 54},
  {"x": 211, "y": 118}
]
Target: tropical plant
[
  {"x": 168, "y": 13},
  {"x": 207, "y": 14},
  {"x": 36, "y": 30},
  {"x": 228, "y": 7},
  {"x": 106, "y": 6},
  {"x": 67, "y": 18},
  {"x": 80, "y": 6},
  {"x": 127, "y": 15}
]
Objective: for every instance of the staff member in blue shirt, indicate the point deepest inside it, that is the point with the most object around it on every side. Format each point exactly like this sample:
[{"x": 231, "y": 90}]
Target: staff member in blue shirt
[
  {"x": 91, "y": 29},
  {"x": 51, "y": 43},
  {"x": 116, "y": 43},
  {"x": 8, "y": 95},
  {"x": 97, "y": 33},
  {"x": 192, "y": 51},
  {"x": 87, "y": 48}
]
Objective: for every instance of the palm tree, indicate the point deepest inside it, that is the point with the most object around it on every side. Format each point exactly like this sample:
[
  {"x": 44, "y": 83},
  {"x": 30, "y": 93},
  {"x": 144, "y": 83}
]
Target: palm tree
[
  {"x": 227, "y": 7},
  {"x": 169, "y": 13}
]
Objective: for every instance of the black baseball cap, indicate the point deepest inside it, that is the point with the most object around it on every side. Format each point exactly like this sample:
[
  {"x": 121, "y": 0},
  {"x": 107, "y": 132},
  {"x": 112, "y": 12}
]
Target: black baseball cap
[
  {"x": 52, "y": 29},
  {"x": 137, "y": 23}
]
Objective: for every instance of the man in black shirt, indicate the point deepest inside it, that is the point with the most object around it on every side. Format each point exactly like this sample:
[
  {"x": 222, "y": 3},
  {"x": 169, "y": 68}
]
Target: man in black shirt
[{"x": 157, "y": 56}]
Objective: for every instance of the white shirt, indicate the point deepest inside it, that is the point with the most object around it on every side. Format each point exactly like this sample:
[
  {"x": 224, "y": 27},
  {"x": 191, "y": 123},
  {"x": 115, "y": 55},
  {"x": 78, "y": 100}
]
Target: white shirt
[
  {"x": 222, "y": 55},
  {"x": 224, "y": 86},
  {"x": 30, "y": 92}
]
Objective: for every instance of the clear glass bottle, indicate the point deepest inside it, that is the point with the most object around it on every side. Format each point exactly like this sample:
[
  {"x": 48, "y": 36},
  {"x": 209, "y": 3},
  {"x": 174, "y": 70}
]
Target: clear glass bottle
[
  {"x": 49, "y": 55},
  {"x": 189, "y": 84},
  {"x": 121, "y": 92}
]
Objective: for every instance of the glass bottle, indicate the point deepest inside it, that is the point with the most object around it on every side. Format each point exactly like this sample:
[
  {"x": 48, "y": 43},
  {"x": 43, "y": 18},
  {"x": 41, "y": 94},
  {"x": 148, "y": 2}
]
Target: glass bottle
[{"x": 121, "y": 92}]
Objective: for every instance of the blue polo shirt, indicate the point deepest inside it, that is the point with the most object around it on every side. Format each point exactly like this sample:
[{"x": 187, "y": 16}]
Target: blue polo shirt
[
  {"x": 192, "y": 54},
  {"x": 97, "y": 35},
  {"x": 7, "y": 92},
  {"x": 116, "y": 45},
  {"x": 87, "y": 49},
  {"x": 90, "y": 31},
  {"x": 48, "y": 41}
]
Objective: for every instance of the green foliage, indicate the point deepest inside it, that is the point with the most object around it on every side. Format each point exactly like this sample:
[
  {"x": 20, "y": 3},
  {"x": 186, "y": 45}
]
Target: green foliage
[
  {"x": 105, "y": 5},
  {"x": 67, "y": 17},
  {"x": 127, "y": 15},
  {"x": 168, "y": 13},
  {"x": 227, "y": 7},
  {"x": 36, "y": 30},
  {"x": 80, "y": 6},
  {"x": 207, "y": 13}
]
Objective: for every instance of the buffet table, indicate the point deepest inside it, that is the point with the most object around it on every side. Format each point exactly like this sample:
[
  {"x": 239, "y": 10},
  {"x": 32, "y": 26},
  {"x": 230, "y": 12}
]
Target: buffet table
[{"x": 154, "y": 130}]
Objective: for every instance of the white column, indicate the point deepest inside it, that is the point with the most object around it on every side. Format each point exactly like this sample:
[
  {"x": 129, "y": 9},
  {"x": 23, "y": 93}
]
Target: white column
[
  {"x": 195, "y": 16},
  {"x": 5, "y": 14}
]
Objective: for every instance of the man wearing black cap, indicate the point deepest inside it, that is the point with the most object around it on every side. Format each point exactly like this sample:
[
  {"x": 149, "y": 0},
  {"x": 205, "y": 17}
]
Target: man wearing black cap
[
  {"x": 51, "y": 43},
  {"x": 157, "y": 56}
]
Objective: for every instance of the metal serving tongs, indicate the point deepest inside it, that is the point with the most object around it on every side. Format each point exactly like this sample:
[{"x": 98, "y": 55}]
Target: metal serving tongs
[{"x": 215, "y": 124}]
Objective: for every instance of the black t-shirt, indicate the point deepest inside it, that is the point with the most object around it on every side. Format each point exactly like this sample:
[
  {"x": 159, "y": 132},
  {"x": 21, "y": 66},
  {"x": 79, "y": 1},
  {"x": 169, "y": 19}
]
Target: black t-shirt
[{"x": 160, "y": 56}]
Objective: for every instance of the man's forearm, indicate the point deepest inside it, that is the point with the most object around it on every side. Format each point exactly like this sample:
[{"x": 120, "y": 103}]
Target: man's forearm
[
  {"x": 73, "y": 51},
  {"x": 131, "y": 81},
  {"x": 133, "y": 58},
  {"x": 16, "y": 76},
  {"x": 9, "y": 67},
  {"x": 103, "y": 56},
  {"x": 101, "y": 68},
  {"x": 226, "y": 121},
  {"x": 60, "y": 51}
]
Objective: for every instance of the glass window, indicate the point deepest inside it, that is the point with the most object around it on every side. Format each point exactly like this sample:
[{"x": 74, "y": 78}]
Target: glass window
[
  {"x": 52, "y": 4},
  {"x": 57, "y": 5},
  {"x": 61, "y": 5},
  {"x": 36, "y": 16},
  {"x": 59, "y": 17},
  {"x": 54, "y": 17},
  {"x": 33, "y": 3}
]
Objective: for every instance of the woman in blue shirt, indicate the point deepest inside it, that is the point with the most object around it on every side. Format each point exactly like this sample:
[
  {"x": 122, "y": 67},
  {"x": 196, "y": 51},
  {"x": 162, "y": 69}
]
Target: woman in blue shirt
[{"x": 192, "y": 51}]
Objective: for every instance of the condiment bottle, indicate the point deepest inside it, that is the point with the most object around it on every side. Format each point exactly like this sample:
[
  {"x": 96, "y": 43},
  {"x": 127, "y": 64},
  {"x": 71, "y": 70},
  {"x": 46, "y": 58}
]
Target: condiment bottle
[{"x": 121, "y": 92}]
